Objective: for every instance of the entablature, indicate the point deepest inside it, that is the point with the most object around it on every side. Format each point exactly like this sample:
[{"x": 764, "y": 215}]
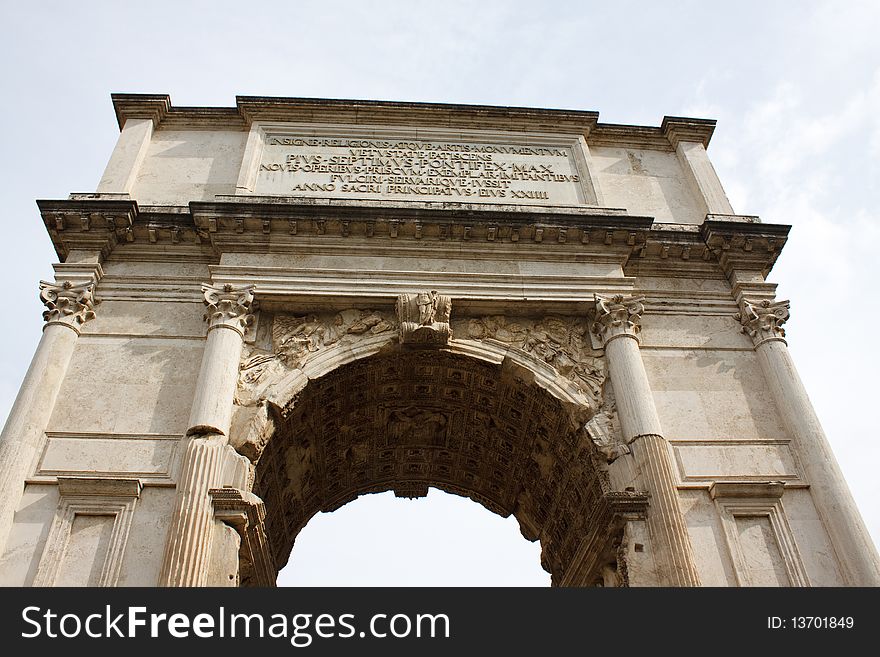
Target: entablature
[{"x": 99, "y": 222}]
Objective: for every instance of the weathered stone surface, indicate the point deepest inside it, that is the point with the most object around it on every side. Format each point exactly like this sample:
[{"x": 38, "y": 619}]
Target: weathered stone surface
[
  {"x": 424, "y": 318},
  {"x": 558, "y": 318}
]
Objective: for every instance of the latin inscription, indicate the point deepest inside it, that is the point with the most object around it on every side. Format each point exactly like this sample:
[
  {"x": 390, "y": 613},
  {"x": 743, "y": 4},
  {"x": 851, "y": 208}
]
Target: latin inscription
[{"x": 418, "y": 170}]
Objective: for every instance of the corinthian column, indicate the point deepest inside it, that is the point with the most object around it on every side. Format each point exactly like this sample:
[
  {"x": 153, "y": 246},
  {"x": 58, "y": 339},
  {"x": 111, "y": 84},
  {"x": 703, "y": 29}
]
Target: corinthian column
[
  {"x": 762, "y": 321},
  {"x": 209, "y": 459},
  {"x": 617, "y": 325},
  {"x": 68, "y": 307}
]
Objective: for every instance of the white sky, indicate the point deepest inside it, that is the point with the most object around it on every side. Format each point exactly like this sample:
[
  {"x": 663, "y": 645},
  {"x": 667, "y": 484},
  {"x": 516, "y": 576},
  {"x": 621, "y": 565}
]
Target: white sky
[{"x": 795, "y": 87}]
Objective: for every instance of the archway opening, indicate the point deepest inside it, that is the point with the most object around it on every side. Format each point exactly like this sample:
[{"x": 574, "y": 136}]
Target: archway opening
[
  {"x": 440, "y": 540},
  {"x": 405, "y": 420}
]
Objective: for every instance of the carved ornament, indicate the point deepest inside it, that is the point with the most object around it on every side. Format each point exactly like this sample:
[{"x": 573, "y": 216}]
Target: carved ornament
[
  {"x": 413, "y": 418},
  {"x": 229, "y": 306},
  {"x": 604, "y": 429},
  {"x": 296, "y": 339},
  {"x": 763, "y": 320},
  {"x": 561, "y": 342},
  {"x": 617, "y": 315},
  {"x": 424, "y": 318},
  {"x": 66, "y": 303}
]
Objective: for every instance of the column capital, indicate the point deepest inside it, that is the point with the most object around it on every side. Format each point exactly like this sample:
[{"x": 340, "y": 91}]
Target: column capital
[
  {"x": 617, "y": 316},
  {"x": 229, "y": 306},
  {"x": 762, "y": 320},
  {"x": 68, "y": 304}
]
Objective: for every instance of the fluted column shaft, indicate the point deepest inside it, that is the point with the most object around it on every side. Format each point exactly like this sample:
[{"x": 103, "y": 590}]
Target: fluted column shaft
[
  {"x": 617, "y": 325},
  {"x": 762, "y": 321},
  {"x": 188, "y": 548},
  {"x": 68, "y": 307}
]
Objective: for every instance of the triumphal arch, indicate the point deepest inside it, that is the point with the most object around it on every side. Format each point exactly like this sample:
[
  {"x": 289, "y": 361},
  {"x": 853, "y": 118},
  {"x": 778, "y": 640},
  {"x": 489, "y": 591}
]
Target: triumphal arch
[{"x": 265, "y": 311}]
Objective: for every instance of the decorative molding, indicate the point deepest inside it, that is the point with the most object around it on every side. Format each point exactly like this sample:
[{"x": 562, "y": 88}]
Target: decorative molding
[
  {"x": 600, "y": 559},
  {"x": 93, "y": 222},
  {"x": 762, "y": 320},
  {"x": 741, "y": 489},
  {"x": 89, "y": 496},
  {"x": 99, "y": 486},
  {"x": 424, "y": 318},
  {"x": 228, "y": 306},
  {"x": 677, "y": 129},
  {"x": 702, "y": 462},
  {"x": 761, "y": 501},
  {"x": 742, "y": 243},
  {"x": 617, "y": 316},
  {"x": 246, "y": 513},
  {"x": 141, "y": 106},
  {"x": 68, "y": 304}
]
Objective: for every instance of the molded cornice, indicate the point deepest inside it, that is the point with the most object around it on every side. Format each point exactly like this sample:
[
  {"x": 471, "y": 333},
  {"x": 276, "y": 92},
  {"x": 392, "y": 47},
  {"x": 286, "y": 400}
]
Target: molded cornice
[{"x": 248, "y": 109}]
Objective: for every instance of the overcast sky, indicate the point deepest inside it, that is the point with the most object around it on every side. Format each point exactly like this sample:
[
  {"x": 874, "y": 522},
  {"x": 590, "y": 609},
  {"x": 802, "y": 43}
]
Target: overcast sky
[{"x": 795, "y": 87}]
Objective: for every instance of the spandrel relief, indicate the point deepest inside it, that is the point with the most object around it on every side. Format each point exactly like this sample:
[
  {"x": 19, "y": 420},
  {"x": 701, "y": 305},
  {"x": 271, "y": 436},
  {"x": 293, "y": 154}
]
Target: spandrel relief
[
  {"x": 561, "y": 342},
  {"x": 296, "y": 339}
]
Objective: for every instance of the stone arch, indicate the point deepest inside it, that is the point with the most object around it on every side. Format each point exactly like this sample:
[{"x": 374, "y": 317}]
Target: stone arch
[{"x": 482, "y": 418}]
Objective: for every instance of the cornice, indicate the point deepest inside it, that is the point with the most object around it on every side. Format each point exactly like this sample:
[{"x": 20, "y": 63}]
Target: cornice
[
  {"x": 141, "y": 106},
  {"x": 249, "y": 221},
  {"x": 159, "y": 109},
  {"x": 308, "y": 207},
  {"x": 632, "y": 136},
  {"x": 678, "y": 128},
  {"x": 100, "y": 221},
  {"x": 94, "y": 222},
  {"x": 743, "y": 243},
  {"x": 672, "y": 130},
  {"x": 361, "y": 112}
]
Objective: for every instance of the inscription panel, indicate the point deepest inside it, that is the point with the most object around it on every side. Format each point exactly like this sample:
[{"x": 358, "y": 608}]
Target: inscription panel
[{"x": 444, "y": 167}]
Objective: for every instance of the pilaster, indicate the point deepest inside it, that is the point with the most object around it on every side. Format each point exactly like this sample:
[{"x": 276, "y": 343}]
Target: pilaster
[
  {"x": 690, "y": 137},
  {"x": 125, "y": 162}
]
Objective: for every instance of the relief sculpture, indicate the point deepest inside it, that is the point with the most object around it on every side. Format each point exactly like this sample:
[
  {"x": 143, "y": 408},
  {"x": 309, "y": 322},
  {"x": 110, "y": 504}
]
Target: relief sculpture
[
  {"x": 424, "y": 318},
  {"x": 297, "y": 338},
  {"x": 415, "y": 425},
  {"x": 561, "y": 342}
]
